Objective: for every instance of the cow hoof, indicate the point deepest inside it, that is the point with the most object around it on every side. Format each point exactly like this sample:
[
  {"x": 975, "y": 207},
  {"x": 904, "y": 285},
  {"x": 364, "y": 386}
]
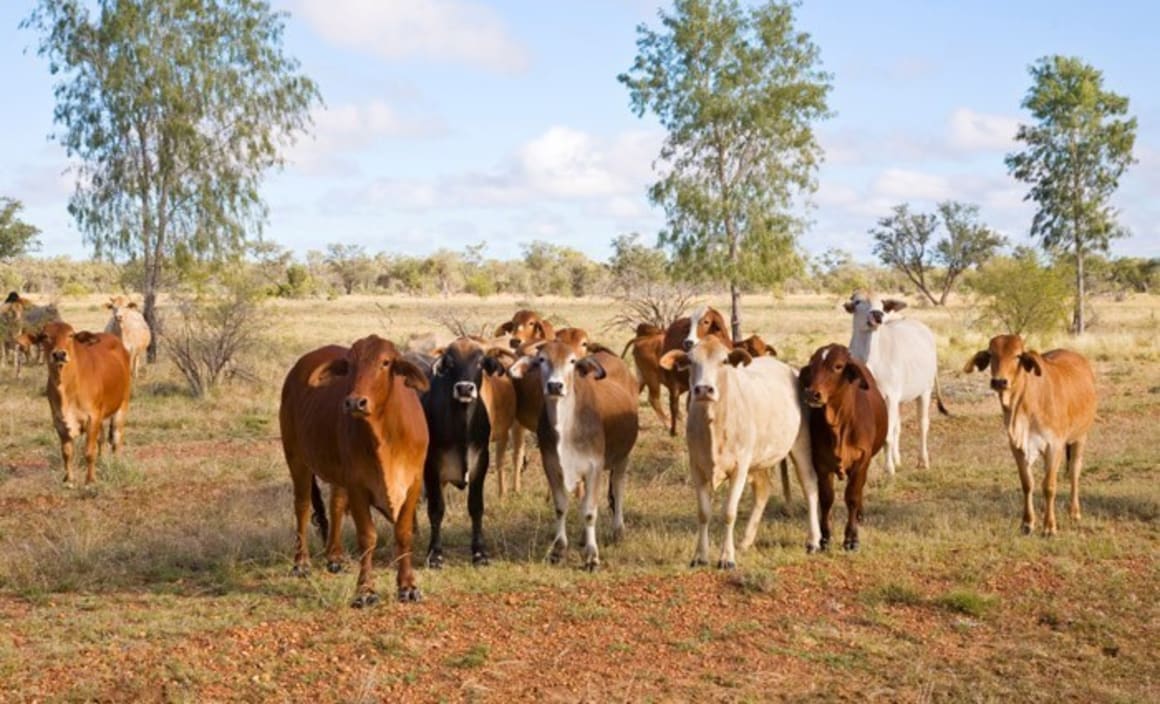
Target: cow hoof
[
  {"x": 824, "y": 545},
  {"x": 592, "y": 566},
  {"x": 556, "y": 558},
  {"x": 726, "y": 565},
  {"x": 699, "y": 562},
  {"x": 363, "y": 601},
  {"x": 410, "y": 594},
  {"x": 334, "y": 567},
  {"x": 435, "y": 561},
  {"x": 850, "y": 545},
  {"x": 300, "y": 571},
  {"x": 1026, "y": 528},
  {"x": 811, "y": 549},
  {"x": 479, "y": 559}
]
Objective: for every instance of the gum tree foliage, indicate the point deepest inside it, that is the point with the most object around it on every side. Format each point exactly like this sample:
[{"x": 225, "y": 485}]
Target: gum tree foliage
[
  {"x": 904, "y": 241},
  {"x": 16, "y": 236},
  {"x": 738, "y": 90},
  {"x": 1073, "y": 157},
  {"x": 1021, "y": 295},
  {"x": 174, "y": 109}
]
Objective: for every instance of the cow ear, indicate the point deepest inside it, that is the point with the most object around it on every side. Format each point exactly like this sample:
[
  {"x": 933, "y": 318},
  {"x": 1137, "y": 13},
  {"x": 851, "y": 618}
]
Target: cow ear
[
  {"x": 86, "y": 338},
  {"x": 538, "y": 326},
  {"x": 505, "y": 329},
  {"x": 857, "y": 373},
  {"x": 849, "y": 306},
  {"x": 594, "y": 347},
  {"x": 891, "y": 305},
  {"x": 674, "y": 360},
  {"x": 979, "y": 362},
  {"x": 493, "y": 366},
  {"x": 770, "y": 351},
  {"x": 109, "y": 305},
  {"x": 328, "y": 373},
  {"x": 1030, "y": 362},
  {"x": 589, "y": 365},
  {"x": 520, "y": 367},
  {"x": 412, "y": 375},
  {"x": 739, "y": 357}
]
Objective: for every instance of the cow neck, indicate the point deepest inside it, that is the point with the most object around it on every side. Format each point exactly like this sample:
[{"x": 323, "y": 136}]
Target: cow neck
[
  {"x": 845, "y": 447},
  {"x": 565, "y": 409},
  {"x": 1022, "y": 390},
  {"x": 865, "y": 343},
  {"x": 714, "y": 416},
  {"x": 62, "y": 383}
]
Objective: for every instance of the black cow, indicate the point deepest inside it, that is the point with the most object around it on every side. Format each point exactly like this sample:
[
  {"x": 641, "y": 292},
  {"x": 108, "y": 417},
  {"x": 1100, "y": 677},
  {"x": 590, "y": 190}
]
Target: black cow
[{"x": 460, "y": 434}]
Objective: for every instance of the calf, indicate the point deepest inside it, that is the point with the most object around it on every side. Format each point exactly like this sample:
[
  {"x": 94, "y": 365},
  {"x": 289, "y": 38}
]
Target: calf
[
  {"x": 848, "y": 425},
  {"x": 744, "y": 414},
  {"x": 524, "y": 327},
  {"x": 1049, "y": 405},
  {"x": 352, "y": 417},
  {"x": 588, "y": 423},
  {"x": 88, "y": 382},
  {"x": 902, "y": 356},
  {"x": 646, "y": 355},
  {"x": 129, "y": 325},
  {"x": 460, "y": 430}
]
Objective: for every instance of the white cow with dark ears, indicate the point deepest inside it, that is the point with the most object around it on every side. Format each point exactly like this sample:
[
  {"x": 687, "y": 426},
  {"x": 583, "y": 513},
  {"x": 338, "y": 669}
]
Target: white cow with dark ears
[{"x": 902, "y": 356}]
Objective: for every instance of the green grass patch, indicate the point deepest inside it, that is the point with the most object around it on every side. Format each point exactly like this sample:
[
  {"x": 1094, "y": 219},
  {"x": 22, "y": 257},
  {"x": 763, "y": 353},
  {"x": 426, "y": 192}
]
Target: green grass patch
[
  {"x": 966, "y": 602},
  {"x": 473, "y": 658}
]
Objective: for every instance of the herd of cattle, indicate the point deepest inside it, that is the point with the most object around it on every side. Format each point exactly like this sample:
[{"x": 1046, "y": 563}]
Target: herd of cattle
[{"x": 384, "y": 426}]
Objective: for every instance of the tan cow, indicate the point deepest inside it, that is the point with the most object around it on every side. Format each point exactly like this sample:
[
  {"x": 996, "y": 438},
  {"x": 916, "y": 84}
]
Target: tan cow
[
  {"x": 21, "y": 317},
  {"x": 88, "y": 382},
  {"x": 129, "y": 325},
  {"x": 1049, "y": 405},
  {"x": 524, "y": 327},
  {"x": 588, "y": 423}
]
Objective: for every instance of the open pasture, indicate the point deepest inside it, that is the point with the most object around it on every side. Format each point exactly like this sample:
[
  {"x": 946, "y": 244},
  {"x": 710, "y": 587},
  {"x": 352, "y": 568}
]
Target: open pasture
[{"x": 170, "y": 579}]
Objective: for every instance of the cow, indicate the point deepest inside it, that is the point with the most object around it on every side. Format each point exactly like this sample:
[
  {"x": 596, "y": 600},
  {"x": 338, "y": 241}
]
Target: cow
[
  {"x": 88, "y": 383},
  {"x": 588, "y": 423},
  {"x": 353, "y": 418},
  {"x": 1049, "y": 405},
  {"x": 20, "y": 317},
  {"x": 902, "y": 356},
  {"x": 682, "y": 334},
  {"x": 757, "y": 347},
  {"x": 745, "y": 418},
  {"x": 646, "y": 355},
  {"x": 848, "y": 426},
  {"x": 460, "y": 438},
  {"x": 129, "y": 325},
  {"x": 524, "y": 327}
]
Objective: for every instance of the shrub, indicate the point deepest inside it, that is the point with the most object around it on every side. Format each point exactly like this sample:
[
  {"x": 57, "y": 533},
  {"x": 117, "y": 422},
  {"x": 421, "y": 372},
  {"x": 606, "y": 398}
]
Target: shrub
[
  {"x": 1023, "y": 296},
  {"x": 208, "y": 338}
]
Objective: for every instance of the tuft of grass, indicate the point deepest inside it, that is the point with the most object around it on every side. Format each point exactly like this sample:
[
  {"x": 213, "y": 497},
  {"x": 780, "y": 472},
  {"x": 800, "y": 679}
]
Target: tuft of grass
[
  {"x": 753, "y": 581},
  {"x": 966, "y": 602},
  {"x": 892, "y": 594},
  {"x": 473, "y": 658}
]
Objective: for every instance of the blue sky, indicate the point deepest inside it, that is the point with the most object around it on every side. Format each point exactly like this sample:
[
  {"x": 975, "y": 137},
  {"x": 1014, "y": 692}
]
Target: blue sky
[{"x": 450, "y": 122}]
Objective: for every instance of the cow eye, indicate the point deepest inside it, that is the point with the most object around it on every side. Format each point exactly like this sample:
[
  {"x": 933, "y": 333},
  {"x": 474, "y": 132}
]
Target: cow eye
[
  {"x": 571, "y": 361},
  {"x": 386, "y": 363},
  {"x": 839, "y": 366}
]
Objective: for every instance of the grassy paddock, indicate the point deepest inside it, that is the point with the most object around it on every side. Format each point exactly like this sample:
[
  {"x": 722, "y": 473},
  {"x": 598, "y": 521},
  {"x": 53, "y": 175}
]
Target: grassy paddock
[{"x": 169, "y": 580}]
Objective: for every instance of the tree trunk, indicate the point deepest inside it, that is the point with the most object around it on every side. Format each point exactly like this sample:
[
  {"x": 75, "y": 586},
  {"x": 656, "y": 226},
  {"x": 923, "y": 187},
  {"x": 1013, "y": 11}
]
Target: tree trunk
[
  {"x": 735, "y": 297},
  {"x": 1078, "y": 324},
  {"x": 152, "y": 276}
]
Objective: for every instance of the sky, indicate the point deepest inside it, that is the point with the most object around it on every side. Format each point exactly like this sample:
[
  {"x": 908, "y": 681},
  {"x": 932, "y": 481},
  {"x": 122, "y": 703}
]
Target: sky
[{"x": 453, "y": 122}]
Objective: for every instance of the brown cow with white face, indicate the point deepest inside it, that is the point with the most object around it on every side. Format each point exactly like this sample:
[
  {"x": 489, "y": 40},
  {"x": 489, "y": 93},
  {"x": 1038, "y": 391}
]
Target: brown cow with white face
[
  {"x": 682, "y": 335},
  {"x": 1049, "y": 405},
  {"x": 352, "y": 417},
  {"x": 88, "y": 382},
  {"x": 848, "y": 426}
]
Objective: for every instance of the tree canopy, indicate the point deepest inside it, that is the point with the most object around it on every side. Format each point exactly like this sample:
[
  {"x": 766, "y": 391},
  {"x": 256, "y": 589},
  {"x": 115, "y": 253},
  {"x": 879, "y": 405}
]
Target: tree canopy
[
  {"x": 1074, "y": 155},
  {"x": 738, "y": 90},
  {"x": 16, "y": 236},
  {"x": 175, "y": 109}
]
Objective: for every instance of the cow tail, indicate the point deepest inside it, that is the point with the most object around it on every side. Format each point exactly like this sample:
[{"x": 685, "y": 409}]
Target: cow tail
[
  {"x": 319, "y": 509},
  {"x": 627, "y": 347},
  {"x": 938, "y": 397}
]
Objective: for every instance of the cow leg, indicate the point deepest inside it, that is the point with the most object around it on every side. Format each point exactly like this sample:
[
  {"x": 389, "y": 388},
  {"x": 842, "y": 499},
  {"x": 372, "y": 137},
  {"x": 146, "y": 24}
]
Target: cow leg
[
  {"x": 762, "y": 488},
  {"x": 475, "y": 507},
  {"x": 924, "y": 429},
  {"x": 435, "y": 510},
  {"x": 740, "y": 478},
  {"x": 783, "y": 470},
  {"x": 654, "y": 400},
  {"x": 808, "y": 481},
  {"x": 555, "y": 476},
  {"x": 335, "y": 555},
  {"x": 674, "y": 413},
  {"x": 404, "y": 538},
  {"x": 855, "y": 484},
  {"x": 826, "y": 503},
  {"x": 616, "y": 484},
  {"x": 501, "y": 444},
  {"x": 303, "y": 480},
  {"x": 1025, "y": 479},
  {"x": 92, "y": 449},
  {"x": 704, "y": 491},
  {"x": 1053, "y": 460},
  {"x": 1075, "y": 460},
  {"x": 591, "y": 552},
  {"x": 890, "y": 452},
  {"x": 360, "y": 510},
  {"x": 519, "y": 455}
]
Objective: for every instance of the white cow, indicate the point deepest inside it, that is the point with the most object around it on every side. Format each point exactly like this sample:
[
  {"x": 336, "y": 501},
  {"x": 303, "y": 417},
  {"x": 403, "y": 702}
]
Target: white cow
[
  {"x": 128, "y": 324},
  {"x": 902, "y": 356},
  {"x": 744, "y": 414}
]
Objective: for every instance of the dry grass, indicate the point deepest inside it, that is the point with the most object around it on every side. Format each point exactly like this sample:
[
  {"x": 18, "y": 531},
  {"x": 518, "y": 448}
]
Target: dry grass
[{"x": 185, "y": 543}]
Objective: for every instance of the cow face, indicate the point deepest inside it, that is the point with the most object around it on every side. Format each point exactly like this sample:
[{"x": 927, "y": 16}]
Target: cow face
[
  {"x": 1007, "y": 359},
  {"x": 524, "y": 327},
  {"x": 830, "y": 370},
  {"x": 558, "y": 364},
  {"x": 871, "y": 310},
  {"x": 463, "y": 363},
  {"x": 118, "y": 305},
  {"x": 704, "y": 322},
  {"x": 370, "y": 366},
  {"x": 58, "y": 342},
  {"x": 704, "y": 362}
]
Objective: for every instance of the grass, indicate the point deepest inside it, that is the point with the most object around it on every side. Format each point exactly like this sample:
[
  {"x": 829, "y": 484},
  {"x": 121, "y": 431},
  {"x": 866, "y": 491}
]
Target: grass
[{"x": 184, "y": 548}]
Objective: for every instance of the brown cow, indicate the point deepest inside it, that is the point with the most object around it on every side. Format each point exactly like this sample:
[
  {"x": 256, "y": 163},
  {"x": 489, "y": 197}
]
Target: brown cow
[
  {"x": 682, "y": 335},
  {"x": 757, "y": 347},
  {"x": 352, "y": 417},
  {"x": 847, "y": 428},
  {"x": 1049, "y": 405},
  {"x": 524, "y": 327},
  {"x": 88, "y": 382},
  {"x": 646, "y": 355}
]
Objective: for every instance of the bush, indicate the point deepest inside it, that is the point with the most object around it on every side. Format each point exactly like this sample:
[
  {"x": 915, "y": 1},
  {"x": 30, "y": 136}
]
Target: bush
[
  {"x": 209, "y": 337},
  {"x": 1023, "y": 296}
]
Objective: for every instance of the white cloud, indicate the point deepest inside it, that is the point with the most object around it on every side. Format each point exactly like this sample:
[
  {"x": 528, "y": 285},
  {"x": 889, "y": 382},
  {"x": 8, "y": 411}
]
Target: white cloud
[
  {"x": 346, "y": 128},
  {"x": 460, "y": 31},
  {"x": 973, "y": 131},
  {"x": 906, "y": 185}
]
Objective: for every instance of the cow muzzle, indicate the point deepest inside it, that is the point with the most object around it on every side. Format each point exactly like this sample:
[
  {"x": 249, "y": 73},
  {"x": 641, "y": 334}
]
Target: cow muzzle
[
  {"x": 704, "y": 392},
  {"x": 814, "y": 398},
  {"x": 687, "y": 344},
  {"x": 515, "y": 342},
  {"x": 999, "y": 383},
  {"x": 59, "y": 357},
  {"x": 356, "y": 405},
  {"x": 555, "y": 388},
  {"x": 875, "y": 319},
  {"x": 464, "y": 391}
]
